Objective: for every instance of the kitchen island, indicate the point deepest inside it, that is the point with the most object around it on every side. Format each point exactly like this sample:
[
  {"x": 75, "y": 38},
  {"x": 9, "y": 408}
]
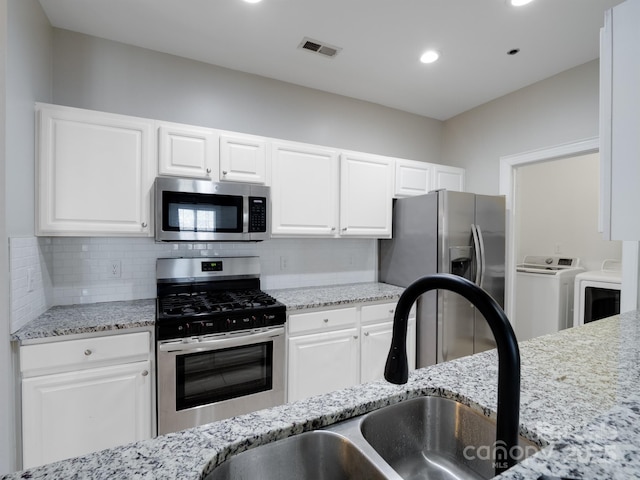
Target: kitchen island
[{"x": 580, "y": 399}]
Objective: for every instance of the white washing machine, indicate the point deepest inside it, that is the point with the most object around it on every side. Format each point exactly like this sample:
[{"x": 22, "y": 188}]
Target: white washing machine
[
  {"x": 544, "y": 295},
  {"x": 597, "y": 293}
]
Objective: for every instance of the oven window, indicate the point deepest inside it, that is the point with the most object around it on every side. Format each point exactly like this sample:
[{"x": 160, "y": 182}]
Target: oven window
[
  {"x": 184, "y": 212},
  {"x": 600, "y": 303},
  {"x": 213, "y": 376}
]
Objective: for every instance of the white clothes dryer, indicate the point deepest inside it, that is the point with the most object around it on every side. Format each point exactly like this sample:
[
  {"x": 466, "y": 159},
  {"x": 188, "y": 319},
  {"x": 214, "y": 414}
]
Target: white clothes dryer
[{"x": 597, "y": 293}]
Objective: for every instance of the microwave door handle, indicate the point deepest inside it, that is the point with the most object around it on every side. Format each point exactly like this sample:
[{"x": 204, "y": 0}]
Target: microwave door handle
[
  {"x": 244, "y": 338},
  {"x": 245, "y": 214}
]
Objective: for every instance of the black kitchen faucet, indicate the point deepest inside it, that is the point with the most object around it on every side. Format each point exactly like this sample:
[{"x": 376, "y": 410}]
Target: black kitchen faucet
[{"x": 397, "y": 369}]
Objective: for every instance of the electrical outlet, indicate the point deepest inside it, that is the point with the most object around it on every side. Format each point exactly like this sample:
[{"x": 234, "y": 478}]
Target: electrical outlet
[
  {"x": 115, "y": 268},
  {"x": 284, "y": 261}
]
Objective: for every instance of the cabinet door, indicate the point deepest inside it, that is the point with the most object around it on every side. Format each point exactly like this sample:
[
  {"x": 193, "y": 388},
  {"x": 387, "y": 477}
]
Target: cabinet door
[
  {"x": 448, "y": 178},
  {"x": 620, "y": 122},
  {"x": 322, "y": 363},
  {"x": 366, "y": 195},
  {"x": 70, "y": 414},
  {"x": 187, "y": 151},
  {"x": 375, "y": 344},
  {"x": 412, "y": 178},
  {"x": 304, "y": 191},
  {"x": 243, "y": 159},
  {"x": 95, "y": 173}
]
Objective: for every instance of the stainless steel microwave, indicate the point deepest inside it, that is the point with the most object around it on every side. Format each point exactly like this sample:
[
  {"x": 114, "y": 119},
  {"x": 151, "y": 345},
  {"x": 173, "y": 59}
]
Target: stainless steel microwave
[{"x": 188, "y": 210}]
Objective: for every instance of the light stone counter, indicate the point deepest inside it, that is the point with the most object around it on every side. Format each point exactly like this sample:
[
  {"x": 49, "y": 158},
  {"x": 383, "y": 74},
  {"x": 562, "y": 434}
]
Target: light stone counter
[
  {"x": 335, "y": 295},
  {"x": 580, "y": 396},
  {"x": 106, "y": 317}
]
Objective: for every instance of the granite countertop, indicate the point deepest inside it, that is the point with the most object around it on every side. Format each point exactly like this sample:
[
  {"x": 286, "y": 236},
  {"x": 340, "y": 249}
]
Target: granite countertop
[
  {"x": 88, "y": 318},
  {"x": 109, "y": 316},
  {"x": 335, "y": 295},
  {"x": 580, "y": 398}
]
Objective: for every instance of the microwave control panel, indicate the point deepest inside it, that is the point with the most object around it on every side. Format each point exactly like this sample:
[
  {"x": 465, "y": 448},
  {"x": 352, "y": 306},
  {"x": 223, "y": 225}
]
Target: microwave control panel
[{"x": 257, "y": 214}]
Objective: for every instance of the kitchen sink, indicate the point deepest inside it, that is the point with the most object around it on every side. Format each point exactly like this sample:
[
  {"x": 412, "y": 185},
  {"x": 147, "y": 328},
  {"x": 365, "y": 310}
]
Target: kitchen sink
[
  {"x": 423, "y": 438},
  {"x": 317, "y": 455},
  {"x": 433, "y": 437}
]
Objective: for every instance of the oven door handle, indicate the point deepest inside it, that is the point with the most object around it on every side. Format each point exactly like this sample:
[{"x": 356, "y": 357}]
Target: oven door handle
[{"x": 225, "y": 342}]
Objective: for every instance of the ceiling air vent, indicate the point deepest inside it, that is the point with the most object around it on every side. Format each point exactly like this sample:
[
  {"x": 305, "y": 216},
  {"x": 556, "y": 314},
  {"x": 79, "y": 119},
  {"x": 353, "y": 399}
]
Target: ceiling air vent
[{"x": 319, "y": 47}]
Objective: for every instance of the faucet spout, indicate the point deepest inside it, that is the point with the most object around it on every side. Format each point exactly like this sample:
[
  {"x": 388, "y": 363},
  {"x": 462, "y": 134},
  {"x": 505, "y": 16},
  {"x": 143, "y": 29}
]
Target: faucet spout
[{"x": 397, "y": 370}]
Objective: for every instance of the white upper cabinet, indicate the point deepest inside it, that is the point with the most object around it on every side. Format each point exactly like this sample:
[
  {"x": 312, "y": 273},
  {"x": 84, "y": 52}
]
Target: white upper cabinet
[
  {"x": 366, "y": 194},
  {"x": 94, "y": 172},
  {"x": 187, "y": 151},
  {"x": 620, "y": 122},
  {"x": 304, "y": 190},
  {"x": 243, "y": 158},
  {"x": 448, "y": 178},
  {"x": 412, "y": 177}
]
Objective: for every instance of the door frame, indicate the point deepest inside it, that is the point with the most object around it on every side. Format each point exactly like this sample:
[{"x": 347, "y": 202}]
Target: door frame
[{"x": 508, "y": 165}]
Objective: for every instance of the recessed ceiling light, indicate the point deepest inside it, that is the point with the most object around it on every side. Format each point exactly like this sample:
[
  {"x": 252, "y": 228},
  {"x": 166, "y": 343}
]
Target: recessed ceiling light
[
  {"x": 429, "y": 56},
  {"x": 519, "y": 3},
  {"x": 253, "y": 1}
]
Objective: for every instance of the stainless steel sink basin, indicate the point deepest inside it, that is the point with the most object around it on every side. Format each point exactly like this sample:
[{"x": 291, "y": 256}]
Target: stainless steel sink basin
[
  {"x": 317, "y": 455},
  {"x": 424, "y": 438},
  {"x": 432, "y": 437}
]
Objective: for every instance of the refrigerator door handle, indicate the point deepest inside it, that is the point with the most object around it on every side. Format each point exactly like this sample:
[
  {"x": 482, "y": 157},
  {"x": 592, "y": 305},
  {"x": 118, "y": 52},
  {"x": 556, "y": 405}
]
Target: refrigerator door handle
[
  {"x": 483, "y": 262},
  {"x": 477, "y": 254}
]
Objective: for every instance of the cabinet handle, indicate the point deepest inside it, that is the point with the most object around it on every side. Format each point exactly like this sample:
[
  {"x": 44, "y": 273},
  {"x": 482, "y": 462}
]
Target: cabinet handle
[
  {"x": 224, "y": 172},
  {"x": 344, "y": 229},
  {"x": 208, "y": 171},
  {"x": 355, "y": 337},
  {"x": 145, "y": 373},
  {"x": 333, "y": 229},
  {"x": 326, "y": 320},
  {"x": 88, "y": 352},
  {"x": 391, "y": 311},
  {"x": 144, "y": 224},
  {"x": 366, "y": 334}
]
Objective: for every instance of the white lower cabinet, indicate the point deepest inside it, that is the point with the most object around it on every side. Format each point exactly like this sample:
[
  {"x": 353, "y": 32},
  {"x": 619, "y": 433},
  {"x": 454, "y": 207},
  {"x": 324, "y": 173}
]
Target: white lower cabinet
[
  {"x": 375, "y": 340},
  {"x": 81, "y": 396},
  {"x": 338, "y": 348},
  {"x": 322, "y": 362}
]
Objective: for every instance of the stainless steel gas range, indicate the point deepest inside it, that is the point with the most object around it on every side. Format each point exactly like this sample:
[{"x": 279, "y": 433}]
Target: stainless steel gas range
[{"x": 220, "y": 341}]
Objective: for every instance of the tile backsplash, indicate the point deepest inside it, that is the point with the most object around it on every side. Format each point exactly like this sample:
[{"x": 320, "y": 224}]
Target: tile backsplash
[{"x": 71, "y": 270}]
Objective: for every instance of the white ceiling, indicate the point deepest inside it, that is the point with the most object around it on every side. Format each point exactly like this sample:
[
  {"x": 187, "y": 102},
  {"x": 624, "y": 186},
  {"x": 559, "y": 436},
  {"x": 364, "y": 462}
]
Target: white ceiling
[{"x": 381, "y": 42}]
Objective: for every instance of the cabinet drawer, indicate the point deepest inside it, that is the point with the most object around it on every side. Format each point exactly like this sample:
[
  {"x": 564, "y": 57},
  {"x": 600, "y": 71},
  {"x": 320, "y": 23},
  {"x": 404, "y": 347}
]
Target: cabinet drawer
[
  {"x": 382, "y": 312},
  {"x": 376, "y": 313},
  {"x": 83, "y": 353},
  {"x": 322, "y": 320}
]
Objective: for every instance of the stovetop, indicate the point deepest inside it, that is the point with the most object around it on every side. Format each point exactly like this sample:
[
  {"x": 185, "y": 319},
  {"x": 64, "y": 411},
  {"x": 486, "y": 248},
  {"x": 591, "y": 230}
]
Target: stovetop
[
  {"x": 210, "y": 303},
  {"x": 212, "y": 295}
]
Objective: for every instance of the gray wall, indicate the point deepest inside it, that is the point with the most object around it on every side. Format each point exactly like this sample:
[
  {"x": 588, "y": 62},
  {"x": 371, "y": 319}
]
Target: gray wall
[
  {"x": 103, "y": 75},
  {"x": 28, "y": 79},
  {"x": 7, "y": 438},
  {"x": 27, "y": 73},
  {"x": 558, "y": 110}
]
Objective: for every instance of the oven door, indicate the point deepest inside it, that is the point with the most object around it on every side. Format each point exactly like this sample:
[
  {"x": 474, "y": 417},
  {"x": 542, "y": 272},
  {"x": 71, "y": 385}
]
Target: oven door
[{"x": 219, "y": 376}]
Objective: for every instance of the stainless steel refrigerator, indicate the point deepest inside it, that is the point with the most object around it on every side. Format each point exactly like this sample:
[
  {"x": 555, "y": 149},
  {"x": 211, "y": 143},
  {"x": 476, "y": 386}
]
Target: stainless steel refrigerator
[{"x": 447, "y": 232}]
